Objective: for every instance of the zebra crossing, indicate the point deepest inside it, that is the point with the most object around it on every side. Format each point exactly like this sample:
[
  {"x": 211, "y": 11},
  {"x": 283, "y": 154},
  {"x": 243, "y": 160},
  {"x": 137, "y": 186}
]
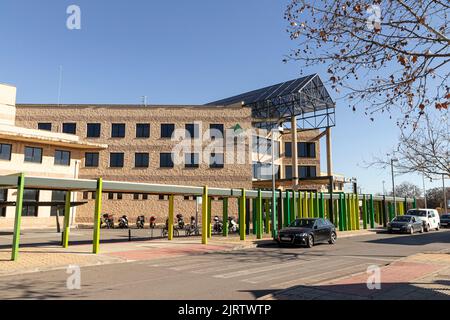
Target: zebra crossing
[{"x": 270, "y": 271}]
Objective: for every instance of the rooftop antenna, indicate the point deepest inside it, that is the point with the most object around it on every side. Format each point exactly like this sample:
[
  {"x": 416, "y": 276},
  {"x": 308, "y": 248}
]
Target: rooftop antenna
[
  {"x": 60, "y": 84},
  {"x": 144, "y": 100}
]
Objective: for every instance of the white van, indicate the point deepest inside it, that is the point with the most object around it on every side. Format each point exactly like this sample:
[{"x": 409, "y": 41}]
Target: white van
[{"x": 429, "y": 217}]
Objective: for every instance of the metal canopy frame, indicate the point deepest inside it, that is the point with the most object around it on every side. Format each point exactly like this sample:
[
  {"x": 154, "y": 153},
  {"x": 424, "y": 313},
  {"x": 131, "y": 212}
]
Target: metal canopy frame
[
  {"x": 305, "y": 98},
  {"x": 20, "y": 182}
]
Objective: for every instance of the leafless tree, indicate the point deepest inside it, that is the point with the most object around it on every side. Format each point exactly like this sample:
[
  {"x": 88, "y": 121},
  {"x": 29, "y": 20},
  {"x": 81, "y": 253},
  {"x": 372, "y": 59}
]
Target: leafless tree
[
  {"x": 423, "y": 149},
  {"x": 379, "y": 54},
  {"x": 407, "y": 190}
]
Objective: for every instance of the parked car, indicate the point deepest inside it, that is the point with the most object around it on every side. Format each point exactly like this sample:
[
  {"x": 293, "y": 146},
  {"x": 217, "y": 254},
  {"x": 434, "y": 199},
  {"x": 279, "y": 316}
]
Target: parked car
[
  {"x": 308, "y": 232},
  {"x": 445, "y": 220},
  {"x": 405, "y": 224},
  {"x": 429, "y": 217}
]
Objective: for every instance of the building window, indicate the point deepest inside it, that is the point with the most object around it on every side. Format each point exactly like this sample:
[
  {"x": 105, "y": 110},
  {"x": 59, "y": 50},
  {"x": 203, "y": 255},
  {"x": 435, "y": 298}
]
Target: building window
[
  {"x": 58, "y": 196},
  {"x": 192, "y": 131},
  {"x": 165, "y": 160},
  {"x": 118, "y": 130},
  {"x": 141, "y": 160},
  {"x": 47, "y": 126},
  {"x": 94, "y": 130},
  {"x": 5, "y": 152},
  {"x": 119, "y": 196},
  {"x": 288, "y": 149},
  {"x": 216, "y": 131},
  {"x": 136, "y": 196},
  {"x": 191, "y": 160},
  {"x": 91, "y": 159},
  {"x": 288, "y": 172},
  {"x": 3, "y": 198},
  {"x": 163, "y": 197},
  {"x": 142, "y": 130},
  {"x": 306, "y": 149},
  {"x": 307, "y": 171},
  {"x": 30, "y": 210},
  {"x": 167, "y": 130},
  {"x": 263, "y": 171},
  {"x": 62, "y": 158},
  {"x": 216, "y": 160},
  {"x": 110, "y": 196},
  {"x": 116, "y": 160},
  {"x": 70, "y": 128},
  {"x": 85, "y": 195},
  {"x": 145, "y": 197},
  {"x": 33, "y": 154}
]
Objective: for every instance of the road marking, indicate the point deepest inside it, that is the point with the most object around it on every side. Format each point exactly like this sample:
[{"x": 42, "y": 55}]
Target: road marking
[
  {"x": 174, "y": 262},
  {"x": 258, "y": 270},
  {"x": 300, "y": 273},
  {"x": 193, "y": 265},
  {"x": 302, "y": 281}
]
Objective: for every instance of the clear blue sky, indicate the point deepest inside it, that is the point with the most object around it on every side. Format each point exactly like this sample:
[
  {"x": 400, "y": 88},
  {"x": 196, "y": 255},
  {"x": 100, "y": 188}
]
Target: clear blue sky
[{"x": 180, "y": 52}]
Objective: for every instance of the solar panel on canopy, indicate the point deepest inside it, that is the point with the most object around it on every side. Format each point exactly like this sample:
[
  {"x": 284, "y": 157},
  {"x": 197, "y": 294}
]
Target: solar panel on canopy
[{"x": 277, "y": 90}]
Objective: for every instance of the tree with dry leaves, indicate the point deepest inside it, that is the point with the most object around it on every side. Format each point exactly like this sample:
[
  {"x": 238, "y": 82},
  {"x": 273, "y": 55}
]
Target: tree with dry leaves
[{"x": 380, "y": 54}]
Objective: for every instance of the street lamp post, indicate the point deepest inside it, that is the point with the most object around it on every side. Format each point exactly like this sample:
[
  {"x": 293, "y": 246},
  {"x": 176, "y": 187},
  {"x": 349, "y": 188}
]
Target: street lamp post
[
  {"x": 384, "y": 188},
  {"x": 445, "y": 194},
  {"x": 393, "y": 184}
]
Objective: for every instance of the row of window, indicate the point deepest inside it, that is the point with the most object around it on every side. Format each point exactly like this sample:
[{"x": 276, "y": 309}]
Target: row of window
[
  {"x": 263, "y": 171},
  {"x": 142, "y": 160},
  {"x": 34, "y": 155},
  {"x": 118, "y": 130},
  {"x": 304, "y": 149}
]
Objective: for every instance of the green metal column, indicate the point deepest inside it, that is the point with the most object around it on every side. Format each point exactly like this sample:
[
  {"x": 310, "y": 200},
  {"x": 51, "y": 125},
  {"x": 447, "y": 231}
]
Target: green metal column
[
  {"x": 415, "y": 203},
  {"x": 225, "y": 217},
  {"x": 350, "y": 211},
  {"x": 274, "y": 225},
  {"x": 267, "y": 211},
  {"x": 171, "y": 217},
  {"x": 259, "y": 221},
  {"x": 311, "y": 205},
  {"x": 341, "y": 212},
  {"x": 293, "y": 206},
  {"x": 299, "y": 205},
  {"x": 321, "y": 206},
  {"x": 254, "y": 219},
  {"x": 97, "y": 214},
  {"x": 66, "y": 231},
  {"x": 242, "y": 202},
  {"x": 364, "y": 212},
  {"x": 205, "y": 215},
  {"x": 18, "y": 217},
  {"x": 372, "y": 213},
  {"x": 316, "y": 205},
  {"x": 287, "y": 209},
  {"x": 344, "y": 208}
]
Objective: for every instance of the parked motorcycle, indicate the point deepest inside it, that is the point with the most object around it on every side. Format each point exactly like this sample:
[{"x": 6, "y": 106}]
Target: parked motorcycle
[
  {"x": 152, "y": 222},
  {"x": 123, "y": 222},
  {"x": 193, "y": 228},
  {"x": 232, "y": 225},
  {"x": 140, "y": 222},
  {"x": 218, "y": 225},
  {"x": 107, "y": 221},
  {"x": 180, "y": 221}
]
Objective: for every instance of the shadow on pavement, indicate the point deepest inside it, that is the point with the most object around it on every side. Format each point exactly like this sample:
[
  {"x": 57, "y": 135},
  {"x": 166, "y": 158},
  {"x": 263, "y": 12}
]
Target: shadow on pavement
[
  {"x": 359, "y": 291},
  {"x": 415, "y": 240}
]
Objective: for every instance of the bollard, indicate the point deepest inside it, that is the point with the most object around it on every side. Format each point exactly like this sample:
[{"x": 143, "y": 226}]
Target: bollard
[{"x": 129, "y": 234}]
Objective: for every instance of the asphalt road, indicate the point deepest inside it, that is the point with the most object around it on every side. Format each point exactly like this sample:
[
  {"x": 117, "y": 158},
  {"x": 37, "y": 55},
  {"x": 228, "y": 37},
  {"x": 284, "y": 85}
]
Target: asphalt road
[{"x": 242, "y": 274}]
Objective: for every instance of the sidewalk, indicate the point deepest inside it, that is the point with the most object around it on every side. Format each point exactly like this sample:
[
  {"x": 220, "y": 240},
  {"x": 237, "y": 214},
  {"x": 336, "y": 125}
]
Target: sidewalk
[
  {"x": 420, "y": 276},
  {"x": 49, "y": 257}
]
